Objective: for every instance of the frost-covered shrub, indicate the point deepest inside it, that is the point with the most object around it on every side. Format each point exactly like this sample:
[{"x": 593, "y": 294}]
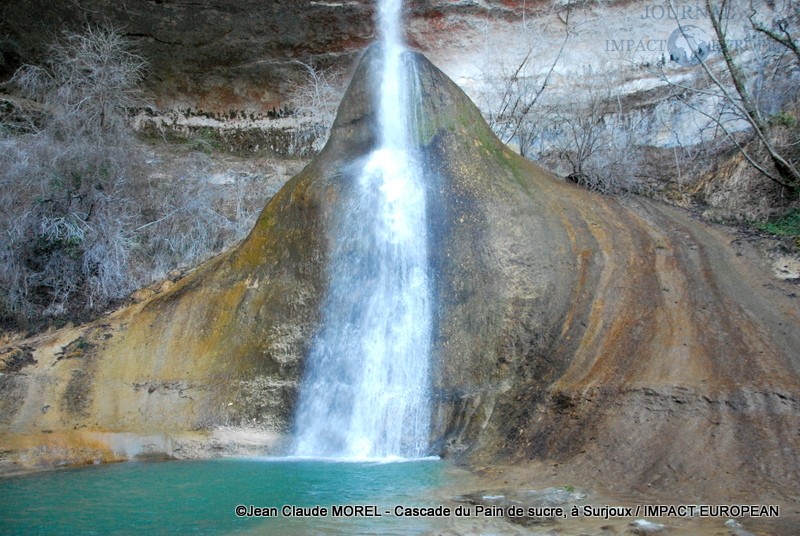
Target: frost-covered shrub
[{"x": 83, "y": 222}]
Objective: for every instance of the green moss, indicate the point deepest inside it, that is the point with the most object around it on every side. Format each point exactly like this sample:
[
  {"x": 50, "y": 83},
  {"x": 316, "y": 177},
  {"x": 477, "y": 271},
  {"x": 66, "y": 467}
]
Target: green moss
[
  {"x": 784, "y": 119},
  {"x": 205, "y": 139},
  {"x": 786, "y": 225},
  {"x": 429, "y": 127}
]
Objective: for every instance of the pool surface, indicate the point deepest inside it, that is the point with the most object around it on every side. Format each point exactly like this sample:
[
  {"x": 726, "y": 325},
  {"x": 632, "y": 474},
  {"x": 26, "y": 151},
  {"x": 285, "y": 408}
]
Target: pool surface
[{"x": 201, "y": 497}]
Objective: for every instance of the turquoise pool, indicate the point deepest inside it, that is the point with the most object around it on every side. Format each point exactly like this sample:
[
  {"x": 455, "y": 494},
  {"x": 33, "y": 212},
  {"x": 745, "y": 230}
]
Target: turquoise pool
[{"x": 201, "y": 497}]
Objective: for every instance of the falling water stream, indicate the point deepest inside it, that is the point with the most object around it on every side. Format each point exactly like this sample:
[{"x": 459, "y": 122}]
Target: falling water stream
[
  {"x": 364, "y": 398},
  {"x": 365, "y": 392}
]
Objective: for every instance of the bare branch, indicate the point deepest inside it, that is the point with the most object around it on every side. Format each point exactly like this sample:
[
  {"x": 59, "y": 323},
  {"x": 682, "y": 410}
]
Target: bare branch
[
  {"x": 781, "y": 34},
  {"x": 741, "y": 101}
]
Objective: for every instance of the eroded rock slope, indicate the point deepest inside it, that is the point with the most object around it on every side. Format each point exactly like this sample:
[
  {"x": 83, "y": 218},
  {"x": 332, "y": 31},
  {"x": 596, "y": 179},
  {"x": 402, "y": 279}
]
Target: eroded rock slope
[{"x": 616, "y": 337}]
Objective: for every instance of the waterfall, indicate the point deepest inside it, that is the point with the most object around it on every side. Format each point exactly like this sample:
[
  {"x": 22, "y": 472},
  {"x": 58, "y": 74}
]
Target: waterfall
[{"x": 365, "y": 393}]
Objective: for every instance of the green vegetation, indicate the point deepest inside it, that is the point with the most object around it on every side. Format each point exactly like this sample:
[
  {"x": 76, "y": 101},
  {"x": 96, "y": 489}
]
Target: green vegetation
[
  {"x": 785, "y": 119},
  {"x": 205, "y": 140},
  {"x": 786, "y": 225}
]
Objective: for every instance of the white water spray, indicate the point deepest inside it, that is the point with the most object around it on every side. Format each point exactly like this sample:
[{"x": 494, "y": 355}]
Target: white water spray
[{"x": 366, "y": 389}]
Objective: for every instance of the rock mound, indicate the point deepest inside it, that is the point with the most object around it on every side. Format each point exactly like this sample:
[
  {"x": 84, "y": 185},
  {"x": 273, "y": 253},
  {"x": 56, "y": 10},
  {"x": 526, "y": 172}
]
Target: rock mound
[{"x": 616, "y": 337}]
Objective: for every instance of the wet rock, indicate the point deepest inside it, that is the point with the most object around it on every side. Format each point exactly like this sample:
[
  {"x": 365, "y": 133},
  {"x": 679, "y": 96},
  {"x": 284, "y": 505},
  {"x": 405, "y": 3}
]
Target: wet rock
[
  {"x": 517, "y": 505},
  {"x": 644, "y": 527},
  {"x": 737, "y": 529}
]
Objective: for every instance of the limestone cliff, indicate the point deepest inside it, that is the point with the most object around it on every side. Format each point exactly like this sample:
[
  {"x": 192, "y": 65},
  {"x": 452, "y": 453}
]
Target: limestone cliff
[
  {"x": 616, "y": 337},
  {"x": 238, "y": 55},
  {"x": 213, "y": 56}
]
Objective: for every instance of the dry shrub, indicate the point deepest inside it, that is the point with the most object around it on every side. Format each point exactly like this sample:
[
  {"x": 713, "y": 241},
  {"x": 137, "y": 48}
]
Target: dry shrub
[
  {"x": 82, "y": 223},
  {"x": 315, "y": 102}
]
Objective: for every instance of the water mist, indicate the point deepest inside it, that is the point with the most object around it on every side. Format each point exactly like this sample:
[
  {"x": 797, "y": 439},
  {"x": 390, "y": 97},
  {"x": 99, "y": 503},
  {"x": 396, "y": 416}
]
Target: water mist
[{"x": 365, "y": 393}]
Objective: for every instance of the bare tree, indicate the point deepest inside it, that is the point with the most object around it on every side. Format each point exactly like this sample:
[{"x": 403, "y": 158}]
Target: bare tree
[
  {"x": 742, "y": 93},
  {"x": 65, "y": 230},
  {"x": 316, "y": 99},
  {"x": 510, "y": 104},
  {"x": 783, "y": 28},
  {"x": 82, "y": 221},
  {"x": 90, "y": 82},
  {"x": 596, "y": 137}
]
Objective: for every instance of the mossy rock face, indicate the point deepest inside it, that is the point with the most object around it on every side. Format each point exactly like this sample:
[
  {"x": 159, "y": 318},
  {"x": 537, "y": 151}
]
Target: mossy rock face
[
  {"x": 502, "y": 264},
  {"x": 618, "y": 338}
]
